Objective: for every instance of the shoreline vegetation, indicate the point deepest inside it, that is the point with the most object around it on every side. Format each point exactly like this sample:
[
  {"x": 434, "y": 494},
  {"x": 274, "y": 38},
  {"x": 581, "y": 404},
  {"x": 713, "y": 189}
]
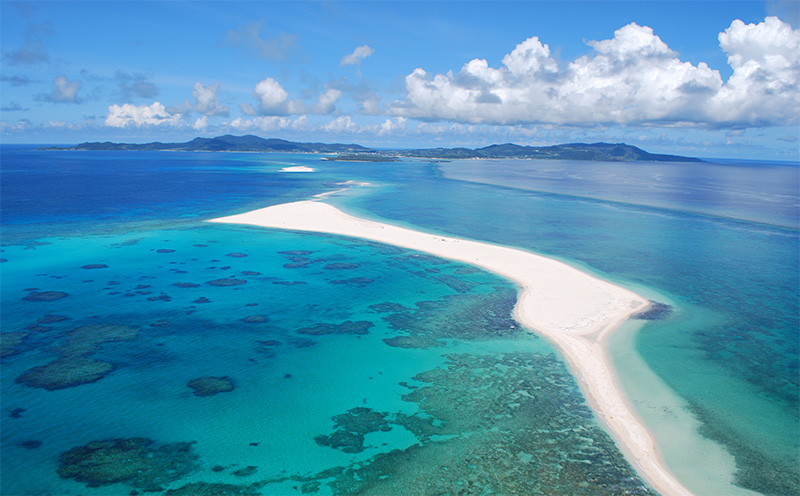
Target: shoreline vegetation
[
  {"x": 573, "y": 310},
  {"x": 603, "y": 152}
]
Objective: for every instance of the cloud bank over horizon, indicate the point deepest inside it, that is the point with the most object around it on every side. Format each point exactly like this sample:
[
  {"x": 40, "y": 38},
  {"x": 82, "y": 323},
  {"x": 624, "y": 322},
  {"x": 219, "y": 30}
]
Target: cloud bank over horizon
[
  {"x": 305, "y": 80},
  {"x": 633, "y": 78}
]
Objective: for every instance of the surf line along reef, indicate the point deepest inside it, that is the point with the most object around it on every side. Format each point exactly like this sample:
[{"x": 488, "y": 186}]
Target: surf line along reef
[{"x": 574, "y": 310}]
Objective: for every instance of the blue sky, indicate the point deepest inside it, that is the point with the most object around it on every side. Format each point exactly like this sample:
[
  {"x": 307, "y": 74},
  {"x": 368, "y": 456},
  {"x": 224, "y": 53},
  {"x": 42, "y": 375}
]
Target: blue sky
[{"x": 711, "y": 79}]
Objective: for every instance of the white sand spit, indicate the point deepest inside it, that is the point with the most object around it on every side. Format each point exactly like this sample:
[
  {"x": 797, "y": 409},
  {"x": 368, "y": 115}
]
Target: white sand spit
[
  {"x": 297, "y": 168},
  {"x": 574, "y": 310}
]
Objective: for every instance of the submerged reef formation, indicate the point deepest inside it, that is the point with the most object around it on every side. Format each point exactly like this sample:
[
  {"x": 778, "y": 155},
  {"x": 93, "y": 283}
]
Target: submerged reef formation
[
  {"x": 450, "y": 317},
  {"x": 351, "y": 427},
  {"x": 346, "y": 327},
  {"x": 45, "y": 295},
  {"x": 209, "y": 386},
  {"x": 487, "y": 425},
  {"x": 136, "y": 462},
  {"x": 226, "y": 282},
  {"x": 656, "y": 311},
  {"x": 216, "y": 489},
  {"x": 74, "y": 367},
  {"x": 11, "y": 343}
]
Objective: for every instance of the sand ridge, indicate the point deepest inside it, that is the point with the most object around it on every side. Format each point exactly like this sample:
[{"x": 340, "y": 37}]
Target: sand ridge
[{"x": 571, "y": 308}]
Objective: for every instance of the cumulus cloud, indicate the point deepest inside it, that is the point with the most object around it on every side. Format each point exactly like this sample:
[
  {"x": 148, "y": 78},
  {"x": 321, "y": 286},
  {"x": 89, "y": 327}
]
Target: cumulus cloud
[
  {"x": 280, "y": 47},
  {"x": 135, "y": 86},
  {"x": 343, "y": 123},
  {"x": 359, "y": 54},
  {"x": 632, "y": 78},
  {"x": 129, "y": 115},
  {"x": 270, "y": 93},
  {"x": 268, "y": 123},
  {"x": 64, "y": 91},
  {"x": 326, "y": 102},
  {"x": 206, "y": 100},
  {"x": 390, "y": 126},
  {"x": 272, "y": 100}
]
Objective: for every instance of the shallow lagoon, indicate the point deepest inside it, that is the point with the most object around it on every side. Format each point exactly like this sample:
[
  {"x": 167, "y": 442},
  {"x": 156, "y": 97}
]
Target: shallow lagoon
[{"x": 362, "y": 407}]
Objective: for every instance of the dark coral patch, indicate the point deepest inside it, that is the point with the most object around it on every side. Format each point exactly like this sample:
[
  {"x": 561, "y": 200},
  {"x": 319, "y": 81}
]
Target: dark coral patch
[
  {"x": 95, "y": 266},
  {"x": 341, "y": 266},
  {"x": 226, "y": 282},
  {"x": 236, "y": 255},
  {"x": 52, "y": 319},
  {"x": 356, "y": 281},
  {"x": 45, "y": 296},
  {"x": 246, "y": 472},
  {"x": 296, "y": 253},
  {"x": 186, "y": 285},
  {"x": 165, "y": 250},
  {"x": 351, "y": 427},
  {"x": 30, "y": 444},
  {"x": 347, "y": 327},
  {"x": 413, "y": 342},
  {"x": 256, "y": 319},
  {"x": 655, "y": 311},
  {"x": 215, "y": 489},
  {"x": 202, "y": 299},
  {"x": 137, "y": 462},
  {"x": 250, "y": 273},
  {"x": 289, "y": 283},
  {"x": 11, "y": 343},
  {"x": 209, "y": 386},
  {"x": 65, "y": 372}
]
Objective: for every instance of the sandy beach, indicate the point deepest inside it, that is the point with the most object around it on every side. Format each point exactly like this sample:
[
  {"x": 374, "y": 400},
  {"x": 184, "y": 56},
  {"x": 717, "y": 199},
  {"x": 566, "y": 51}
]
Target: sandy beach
[{"x": 572, "y": 309}]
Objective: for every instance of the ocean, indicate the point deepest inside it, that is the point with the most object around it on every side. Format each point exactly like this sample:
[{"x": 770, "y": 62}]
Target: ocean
[{"x": 145, "y": 350}]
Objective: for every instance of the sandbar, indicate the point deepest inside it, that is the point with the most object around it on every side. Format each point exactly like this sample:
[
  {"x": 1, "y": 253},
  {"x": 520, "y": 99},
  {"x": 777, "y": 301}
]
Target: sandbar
[
  {"x": 571, "y": 308},
  {"x": 297, "y": 168}
]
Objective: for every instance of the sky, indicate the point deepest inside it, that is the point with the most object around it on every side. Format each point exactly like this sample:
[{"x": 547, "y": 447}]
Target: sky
[{"x": 700, "y": 78}]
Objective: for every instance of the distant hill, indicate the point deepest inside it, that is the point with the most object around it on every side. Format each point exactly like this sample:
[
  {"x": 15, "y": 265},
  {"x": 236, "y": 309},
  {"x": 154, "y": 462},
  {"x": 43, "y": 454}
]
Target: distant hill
[
  {"x": 614, "y": 152},
  {"x": 608, "y": 152},
  {"x": 228, "y": 143}
]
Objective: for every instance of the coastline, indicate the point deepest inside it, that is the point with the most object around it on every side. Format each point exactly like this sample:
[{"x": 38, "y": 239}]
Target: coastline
[{"x": 574, "y": 310}]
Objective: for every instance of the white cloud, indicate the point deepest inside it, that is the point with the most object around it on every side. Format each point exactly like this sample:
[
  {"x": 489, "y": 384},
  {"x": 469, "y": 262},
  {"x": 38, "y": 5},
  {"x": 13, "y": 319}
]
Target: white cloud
[
  {"x": 268, "y": 123},
  {"x": 327, "y": 101},
  {"x": 64, "y": 91},
  {"x": 359, "y": 54},
  {"x": 389, "y": 126},
  {"x": 206, "y": 100},
  {"x": 201, "y": 123},
  {"x": 270, "y": 93},
  {"x": 343, "y": 123},
  {"x": 143, "y": 115},
  {"x": 632, "y": 78}
]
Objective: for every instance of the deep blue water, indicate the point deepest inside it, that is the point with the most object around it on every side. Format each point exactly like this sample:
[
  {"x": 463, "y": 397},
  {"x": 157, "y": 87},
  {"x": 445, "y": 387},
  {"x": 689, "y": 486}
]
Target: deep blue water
[{"x": 363, "y": 368}]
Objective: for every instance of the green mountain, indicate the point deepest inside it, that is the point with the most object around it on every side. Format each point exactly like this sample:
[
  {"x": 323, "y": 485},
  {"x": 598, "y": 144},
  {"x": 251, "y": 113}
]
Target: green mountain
[
  {"x": 607, "y": 152},
  {"x": 229, "y": 143},
  {"x": 614, "y": 152}
]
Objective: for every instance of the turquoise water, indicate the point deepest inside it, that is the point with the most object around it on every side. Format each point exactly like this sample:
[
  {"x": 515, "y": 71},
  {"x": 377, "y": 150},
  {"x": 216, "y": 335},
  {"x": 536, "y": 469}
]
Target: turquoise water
[{"x": 356, "y": 367}]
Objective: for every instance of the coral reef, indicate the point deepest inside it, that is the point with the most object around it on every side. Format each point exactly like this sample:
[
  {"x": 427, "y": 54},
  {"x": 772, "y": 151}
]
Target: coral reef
[
  {"x": 209, "y": 386},
  {"x": 351, "y": 427},
  {"x": 11, "y": 343},
  {"x": 74, "y": 367},
  {"x": 347, "y": 327},
  {"x": 226, "y": 282},
  {"x": 137, "y": 462},
  {"x": 45, "y": 295}
]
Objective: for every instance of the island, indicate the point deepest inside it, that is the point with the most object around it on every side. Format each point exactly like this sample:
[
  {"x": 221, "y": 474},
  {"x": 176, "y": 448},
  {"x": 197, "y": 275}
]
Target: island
[{"x": 600, "y": 152}]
